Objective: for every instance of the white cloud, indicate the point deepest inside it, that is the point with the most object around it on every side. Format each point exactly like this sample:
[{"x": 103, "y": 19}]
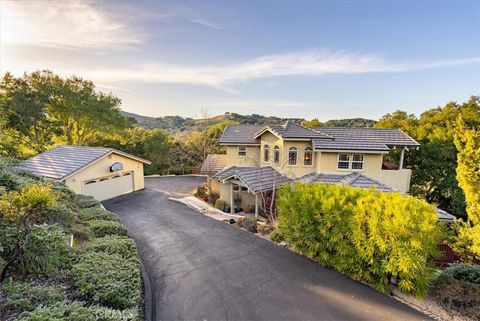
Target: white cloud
[
  {"x": 308, "y": 63},
  {"x": 64, "y": 24}
]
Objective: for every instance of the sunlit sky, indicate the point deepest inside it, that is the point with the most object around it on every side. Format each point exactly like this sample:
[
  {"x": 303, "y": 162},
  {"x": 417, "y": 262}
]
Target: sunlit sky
[{"x": 324, "y": 59}]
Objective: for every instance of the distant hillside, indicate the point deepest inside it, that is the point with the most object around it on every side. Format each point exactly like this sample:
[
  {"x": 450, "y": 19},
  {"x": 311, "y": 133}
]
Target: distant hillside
[{"x": 177, "y": 124}]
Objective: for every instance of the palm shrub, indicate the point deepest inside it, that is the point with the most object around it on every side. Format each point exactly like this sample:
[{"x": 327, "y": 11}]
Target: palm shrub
[{"x": 370, "y": 235}]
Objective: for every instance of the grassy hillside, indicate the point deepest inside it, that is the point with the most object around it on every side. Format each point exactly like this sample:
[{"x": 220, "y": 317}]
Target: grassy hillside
[{"x": 178, "y": 124}]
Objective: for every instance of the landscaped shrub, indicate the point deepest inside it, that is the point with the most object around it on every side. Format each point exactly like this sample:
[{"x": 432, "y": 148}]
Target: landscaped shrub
[
  {"x": 20, "y": 296},
  {"x": 46, "y": 250},
  {"x": 107, "y": 279},
  {"x": 265, "y": 229},
  {"x": 464, "y": 272},
  {"x": 247, "y": 223},
  {"x": 61, "y": 215},
  {"x": 76, "y": 311},
  {"x": 84, "y": 201},
  {"x": 453, "y": 288},
  {"x": 113, "y": 244},
  {"x": 102, "y": 228},
  {"x": 97, "y": 213},
  {"x": 370, "y": 235}
]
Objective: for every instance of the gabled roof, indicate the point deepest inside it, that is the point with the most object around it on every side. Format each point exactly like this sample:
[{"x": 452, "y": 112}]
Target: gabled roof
[
  {"x": 214, "y": 163},
  {"x": 240, "y": 134},
  {"x": 257, "y": 179},
  {"x": 63, "y": 161},
  {"x": 292, "y": 130},
  {"x": 352, "y": 179},
  {"x": 324, "y": 138}
]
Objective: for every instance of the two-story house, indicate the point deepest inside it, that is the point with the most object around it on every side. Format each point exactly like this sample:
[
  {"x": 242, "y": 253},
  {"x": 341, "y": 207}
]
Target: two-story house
[{"x": 260, "y": 158}]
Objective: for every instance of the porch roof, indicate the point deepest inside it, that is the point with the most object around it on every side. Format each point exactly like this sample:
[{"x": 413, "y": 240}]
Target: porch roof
[
  {"x": 256, "y": 179},
  {"x": 352, "y": 179}
]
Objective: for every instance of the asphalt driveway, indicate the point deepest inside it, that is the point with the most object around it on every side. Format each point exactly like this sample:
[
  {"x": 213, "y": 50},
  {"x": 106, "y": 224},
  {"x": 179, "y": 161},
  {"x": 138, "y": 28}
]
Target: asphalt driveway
[{"x": 202, "y": 269}]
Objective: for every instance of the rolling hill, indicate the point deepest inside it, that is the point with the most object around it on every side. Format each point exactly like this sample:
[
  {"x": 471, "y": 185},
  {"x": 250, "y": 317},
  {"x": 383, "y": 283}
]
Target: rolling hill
[{"x": 178, "y": 124}]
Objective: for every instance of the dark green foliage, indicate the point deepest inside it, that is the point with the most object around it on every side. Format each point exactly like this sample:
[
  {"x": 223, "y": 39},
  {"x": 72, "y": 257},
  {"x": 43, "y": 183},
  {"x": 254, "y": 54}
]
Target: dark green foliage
[
  {"x": 102, "y": 228},
  {"x": 96, "y": 213},
  {"x": 20, "y": 296},
  {"x": 46, "y": 250},
  {"x": 464, "y": 272},
  {"x": 369, "y": 235},
  {"x": 76, "y": 311},
  {"x": 61, "y": 215},
  {"x": 113, "y": 244},
  {"x": 84, "y": 201},
  {"x": 452, "y": 290},
  {"x": 108, "y": 279}
]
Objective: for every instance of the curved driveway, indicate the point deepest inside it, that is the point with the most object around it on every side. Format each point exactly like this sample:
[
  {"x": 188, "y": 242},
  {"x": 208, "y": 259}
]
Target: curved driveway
[{"x": 202, "y": 269}]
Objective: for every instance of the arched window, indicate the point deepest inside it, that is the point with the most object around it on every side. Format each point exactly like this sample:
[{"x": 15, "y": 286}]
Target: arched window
[
  {"x": 292, "y": 156},
  {"x": 266, "y": 153},
  {"x": 308, "y": 156},
  {"x": 276, "y": 154}
]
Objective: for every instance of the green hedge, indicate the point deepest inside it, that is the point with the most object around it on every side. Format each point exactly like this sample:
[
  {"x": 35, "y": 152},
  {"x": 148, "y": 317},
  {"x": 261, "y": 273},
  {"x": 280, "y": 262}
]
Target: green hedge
[
  {"x": 113, "y": 244},
  {"x": 76, "y": 311},
  {"x": 102, "y": 228},
  {"x": 84, "y": 201},
  {"x": 108, "y": 279},
  {"x": 370, "y": 235},
  {"x": 46, "y": 250},
  {"x": 22, "y": 296},
  {"x": 97, "y": 213}
]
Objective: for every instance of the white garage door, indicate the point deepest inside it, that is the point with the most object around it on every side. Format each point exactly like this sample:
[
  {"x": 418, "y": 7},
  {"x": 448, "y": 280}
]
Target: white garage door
[{"x": 108, "y": 187}]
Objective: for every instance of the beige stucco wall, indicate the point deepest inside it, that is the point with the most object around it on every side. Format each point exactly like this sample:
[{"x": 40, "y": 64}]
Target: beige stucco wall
[
  {"x": 328, "y": 162},
  {"x": 101, "y": 168},
  {"x": 252, "y": 158}
]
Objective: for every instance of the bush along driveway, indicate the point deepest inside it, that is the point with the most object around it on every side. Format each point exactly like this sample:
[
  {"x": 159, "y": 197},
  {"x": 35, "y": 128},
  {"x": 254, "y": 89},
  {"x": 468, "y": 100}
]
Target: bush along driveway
[
  {"x": 97, "y": 279},
  {"x": 200, "y": 268}
]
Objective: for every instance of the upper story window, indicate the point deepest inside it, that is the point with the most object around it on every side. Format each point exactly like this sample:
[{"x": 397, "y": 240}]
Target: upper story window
[
  {"x": 266, "y": 153},
  {"x": 242, "y": 151},
  {"x": 276, "y": 154},
  {"x": 292, "y": 156},
  {"x": 308, "y": 156},
  {"x": 357, "y": 161},
  {"x": 343, "y": 161},
  {"x": 350, "y": 161}
]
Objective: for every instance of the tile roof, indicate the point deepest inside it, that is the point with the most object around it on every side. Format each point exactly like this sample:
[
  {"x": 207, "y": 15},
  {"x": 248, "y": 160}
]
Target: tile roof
[
  {"x": 240, "y": 134},
  {"x": 352, "y": 179},
  {"x": 387, "y": 136},
  {"x": 257, "y": 179},
  {"x": 62, "y": 161},
  {"x": 323, "y": 138},
  {"x": 214, "y": 163},
  {"x": 293, "y": 130}
]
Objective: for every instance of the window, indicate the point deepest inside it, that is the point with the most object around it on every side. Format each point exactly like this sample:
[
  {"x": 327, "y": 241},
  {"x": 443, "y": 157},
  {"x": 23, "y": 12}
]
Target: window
[
  {"x": 350, "y": 161},
  {"x": 242, "y": 151},
  {"x": 266, "y": 153},
  {"x": 308, "y": 157},
  {"x": 357, "y": 161},
  {"x": 292, "y": 156},
  {"x": 276, "y": 154},
  {"x": 343, "y": 161}
]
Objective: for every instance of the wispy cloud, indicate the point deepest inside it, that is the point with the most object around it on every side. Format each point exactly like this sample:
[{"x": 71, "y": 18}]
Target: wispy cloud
[
  {"x": 307, "y": 63},
  {"x": 65, "y": 24},
  {"x": 304, "y": 63}
]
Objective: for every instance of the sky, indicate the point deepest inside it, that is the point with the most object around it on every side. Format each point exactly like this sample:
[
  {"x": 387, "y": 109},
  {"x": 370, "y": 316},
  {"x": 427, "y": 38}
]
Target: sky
[{"x": 306, "y": 59}]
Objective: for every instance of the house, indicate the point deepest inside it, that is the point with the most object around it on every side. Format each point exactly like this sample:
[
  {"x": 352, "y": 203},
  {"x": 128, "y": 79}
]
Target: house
[
  {"x": 260, "y": 158},
  {"x": 100, "y": 172}
]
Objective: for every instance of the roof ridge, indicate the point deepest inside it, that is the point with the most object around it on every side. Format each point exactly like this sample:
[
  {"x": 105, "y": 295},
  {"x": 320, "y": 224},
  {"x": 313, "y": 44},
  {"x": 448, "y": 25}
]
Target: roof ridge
[{"x": 350, "y": 178}]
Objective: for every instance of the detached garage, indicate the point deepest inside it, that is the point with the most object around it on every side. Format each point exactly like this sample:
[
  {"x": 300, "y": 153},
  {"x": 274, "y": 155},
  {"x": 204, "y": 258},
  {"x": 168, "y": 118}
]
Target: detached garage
[{"x": 100, "y": 172}]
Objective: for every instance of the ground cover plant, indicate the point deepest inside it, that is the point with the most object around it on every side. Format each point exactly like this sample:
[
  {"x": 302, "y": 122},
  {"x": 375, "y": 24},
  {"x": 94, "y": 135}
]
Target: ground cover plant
[
  {"x": 43, "y": 277},
  {"x": 372, "y": 236}
]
